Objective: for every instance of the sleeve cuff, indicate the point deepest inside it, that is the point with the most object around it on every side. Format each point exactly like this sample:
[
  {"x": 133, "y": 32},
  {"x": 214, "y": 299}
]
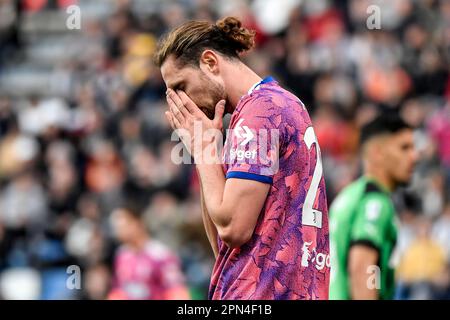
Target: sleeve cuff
[
  {"x": 365, "y": 242},
  {"x": 249, "y": 176}
]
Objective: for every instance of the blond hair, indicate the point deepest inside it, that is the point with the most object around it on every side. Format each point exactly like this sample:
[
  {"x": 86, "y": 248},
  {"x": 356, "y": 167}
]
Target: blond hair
[{"x": 188, "y": 41}]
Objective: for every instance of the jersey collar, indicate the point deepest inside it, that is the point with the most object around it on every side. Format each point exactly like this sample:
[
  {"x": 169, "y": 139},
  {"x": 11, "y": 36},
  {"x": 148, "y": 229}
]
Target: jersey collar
[{"x": 258, "y": 84}]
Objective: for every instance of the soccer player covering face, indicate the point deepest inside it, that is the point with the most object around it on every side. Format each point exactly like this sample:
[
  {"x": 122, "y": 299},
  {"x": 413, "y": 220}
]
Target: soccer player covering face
[
  {"x": 263, "y": 198},
  {"x": 362, "y": 217}
]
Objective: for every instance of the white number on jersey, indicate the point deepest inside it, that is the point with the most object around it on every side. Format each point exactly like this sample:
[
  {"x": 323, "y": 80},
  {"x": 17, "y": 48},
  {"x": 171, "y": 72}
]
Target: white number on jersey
[{"x": 311, "y": 216}]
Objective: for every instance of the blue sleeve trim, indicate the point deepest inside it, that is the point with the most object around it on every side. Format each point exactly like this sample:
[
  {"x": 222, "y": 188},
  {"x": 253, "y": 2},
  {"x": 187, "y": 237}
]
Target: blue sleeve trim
[{"x": 249, "y": 176}]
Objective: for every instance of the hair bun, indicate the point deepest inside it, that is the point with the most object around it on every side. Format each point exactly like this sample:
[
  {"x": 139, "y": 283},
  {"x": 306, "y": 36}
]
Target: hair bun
[{"x": 242, "y": 38}]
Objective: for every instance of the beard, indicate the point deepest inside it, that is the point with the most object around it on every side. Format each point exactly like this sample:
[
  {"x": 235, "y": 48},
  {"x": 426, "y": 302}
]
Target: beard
[
  {"x": 403, "y": 183},
  {"x": 215, "y": 93},
  {"x": 400, "y": 184}
]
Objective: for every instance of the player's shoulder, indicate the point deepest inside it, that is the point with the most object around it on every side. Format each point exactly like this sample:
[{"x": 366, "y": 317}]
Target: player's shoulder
[
  {"x": 275, "y": 107},
  {"x": 350, "y": 193},
  {"x": 271, "y": 98},
  {"x": 357, "y": 193},
  {"x": 376, "y": 203},
  {"x": 373, "y": 191},
  {"x": 346, "y": 201}
]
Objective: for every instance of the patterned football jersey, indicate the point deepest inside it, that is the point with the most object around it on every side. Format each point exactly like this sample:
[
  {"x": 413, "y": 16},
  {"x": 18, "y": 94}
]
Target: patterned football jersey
[{"x": 271, "y": 140}]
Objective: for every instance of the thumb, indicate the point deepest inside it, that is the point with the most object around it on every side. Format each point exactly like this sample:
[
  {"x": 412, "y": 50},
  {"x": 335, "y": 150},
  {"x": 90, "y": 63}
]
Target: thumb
[{"x": 220, "y": 110}]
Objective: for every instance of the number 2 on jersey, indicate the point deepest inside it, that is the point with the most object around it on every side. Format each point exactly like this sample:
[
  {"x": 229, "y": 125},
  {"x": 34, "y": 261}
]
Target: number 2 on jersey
[{"x": 311, "y": 216}]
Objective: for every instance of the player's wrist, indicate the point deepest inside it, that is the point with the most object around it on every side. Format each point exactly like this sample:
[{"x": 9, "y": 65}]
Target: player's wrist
[{"x": 208, "y": 153}]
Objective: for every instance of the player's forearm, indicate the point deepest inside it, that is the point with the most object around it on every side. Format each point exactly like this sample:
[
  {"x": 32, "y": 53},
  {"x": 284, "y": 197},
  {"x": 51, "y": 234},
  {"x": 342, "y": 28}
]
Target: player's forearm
[
  {"x": 210, "y": 228},
  {"x": 230, "y": 232},
  {"x": 359, "y": 287},
  {"x": 361, "y": 258},
  {"x": 213, "y": 186}
]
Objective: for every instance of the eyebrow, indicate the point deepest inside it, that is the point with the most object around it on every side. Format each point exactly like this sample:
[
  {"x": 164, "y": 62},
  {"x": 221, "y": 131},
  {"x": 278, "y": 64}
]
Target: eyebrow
[{"x": 175, "y": 84}]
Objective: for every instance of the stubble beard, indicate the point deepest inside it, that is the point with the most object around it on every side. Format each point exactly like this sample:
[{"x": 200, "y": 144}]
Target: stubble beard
[{"x": 216, "y": 93}]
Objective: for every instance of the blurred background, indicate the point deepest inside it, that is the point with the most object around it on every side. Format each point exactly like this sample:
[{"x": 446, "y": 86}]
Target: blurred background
[{"x": 82, "y": 127}]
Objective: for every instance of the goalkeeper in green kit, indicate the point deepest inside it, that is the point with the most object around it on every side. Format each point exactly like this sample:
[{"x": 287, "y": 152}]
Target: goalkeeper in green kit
[{"x": 363, "y": 227}]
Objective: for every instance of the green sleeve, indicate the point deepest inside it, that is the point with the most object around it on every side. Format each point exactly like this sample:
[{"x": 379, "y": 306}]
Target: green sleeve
[{"x": 372, "y": 220}]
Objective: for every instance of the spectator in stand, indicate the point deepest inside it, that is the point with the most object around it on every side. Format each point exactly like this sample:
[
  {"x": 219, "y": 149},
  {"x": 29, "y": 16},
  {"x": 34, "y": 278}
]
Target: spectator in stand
[
  {"x": 144, "y": 269},
  {"x": 424, "y": 265}
]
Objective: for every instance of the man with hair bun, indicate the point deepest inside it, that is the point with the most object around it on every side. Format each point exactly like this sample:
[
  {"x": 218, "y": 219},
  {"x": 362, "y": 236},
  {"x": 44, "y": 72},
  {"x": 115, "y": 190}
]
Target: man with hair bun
[{"x": 263, "y": 198}]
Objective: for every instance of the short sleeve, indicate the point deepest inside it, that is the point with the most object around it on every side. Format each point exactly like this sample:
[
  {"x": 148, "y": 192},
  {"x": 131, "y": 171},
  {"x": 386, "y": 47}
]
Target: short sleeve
[
  {"x": 372, "y": 221},
  {"x": 253, "y": 142}
]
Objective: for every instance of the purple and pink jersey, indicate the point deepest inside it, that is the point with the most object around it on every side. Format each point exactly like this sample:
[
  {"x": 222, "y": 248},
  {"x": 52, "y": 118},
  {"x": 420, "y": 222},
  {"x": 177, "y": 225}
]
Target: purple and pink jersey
[{"x": 270, "y": 139}]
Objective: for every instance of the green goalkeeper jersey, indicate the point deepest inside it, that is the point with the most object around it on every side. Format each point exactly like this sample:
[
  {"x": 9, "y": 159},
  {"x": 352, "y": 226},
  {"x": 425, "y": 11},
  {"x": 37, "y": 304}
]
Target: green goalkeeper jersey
[{"x": 363, "y": 213}]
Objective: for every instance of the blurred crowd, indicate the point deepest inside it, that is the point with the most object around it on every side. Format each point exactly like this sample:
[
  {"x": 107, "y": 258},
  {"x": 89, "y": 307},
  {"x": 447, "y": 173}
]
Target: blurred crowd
[{"x": 67, "y": 160}]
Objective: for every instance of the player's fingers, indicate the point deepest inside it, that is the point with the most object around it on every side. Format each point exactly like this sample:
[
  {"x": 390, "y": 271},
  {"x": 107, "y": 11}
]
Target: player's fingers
[
  {"x": 192, "y": 108},
  {"x": 178, "y": 102},
  {"x": 169, "y": 118},
  {"x": 176, "y": 113},
  {"x": 218, "y": 115},
  {"x": 176, "y": 122}
]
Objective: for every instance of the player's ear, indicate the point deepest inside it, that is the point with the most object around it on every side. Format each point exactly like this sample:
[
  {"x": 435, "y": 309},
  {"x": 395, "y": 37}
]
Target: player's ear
[
  {"x": 210, "y": 60},
  {"x": 379, "y": 147},
  {"x": 372, "y": 150}
]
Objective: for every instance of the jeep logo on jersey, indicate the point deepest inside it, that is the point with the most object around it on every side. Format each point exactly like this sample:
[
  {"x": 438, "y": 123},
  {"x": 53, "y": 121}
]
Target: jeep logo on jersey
[
  {"x": 243, "y": 133},
  {"x": 252, "y": 147},
  {"x": 320, "y": 260},
  {"x": 242, "y": 154},
  {"x": 306, "y": 254}
]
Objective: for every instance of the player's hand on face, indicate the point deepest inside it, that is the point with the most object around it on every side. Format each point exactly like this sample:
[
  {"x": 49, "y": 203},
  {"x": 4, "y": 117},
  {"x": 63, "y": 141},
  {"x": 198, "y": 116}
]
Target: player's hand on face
[{"x": 184, "y": 114}]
